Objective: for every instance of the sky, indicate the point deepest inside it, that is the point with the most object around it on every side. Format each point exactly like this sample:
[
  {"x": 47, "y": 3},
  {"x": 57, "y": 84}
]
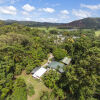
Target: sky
[{"x": 60, "y": 11}]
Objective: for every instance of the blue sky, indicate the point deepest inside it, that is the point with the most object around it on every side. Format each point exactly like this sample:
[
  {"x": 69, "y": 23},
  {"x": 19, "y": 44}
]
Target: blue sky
[{"x": 61, "y": 11}]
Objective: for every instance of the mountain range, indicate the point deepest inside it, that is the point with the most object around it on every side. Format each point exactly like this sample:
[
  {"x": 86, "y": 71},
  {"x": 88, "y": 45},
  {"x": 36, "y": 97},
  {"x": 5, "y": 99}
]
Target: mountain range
[
  {"x": 86, "y": 23},
  {"x": 32, "y": 23}
]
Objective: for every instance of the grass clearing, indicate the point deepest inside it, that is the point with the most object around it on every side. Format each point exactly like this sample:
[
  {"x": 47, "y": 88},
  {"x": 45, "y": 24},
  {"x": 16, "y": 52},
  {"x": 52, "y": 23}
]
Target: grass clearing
[
  {"x": 51, "y": 28},
  {"x": 97, "y": 33},
  {"x": 38, "y": 85},
  {"x": 44, "y": 62}
]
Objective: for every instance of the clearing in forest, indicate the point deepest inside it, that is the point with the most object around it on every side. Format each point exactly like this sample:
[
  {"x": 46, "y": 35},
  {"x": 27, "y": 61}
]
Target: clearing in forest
[
  {"x": 97, "y": 33},
  {"x": 38, "y": 85}
]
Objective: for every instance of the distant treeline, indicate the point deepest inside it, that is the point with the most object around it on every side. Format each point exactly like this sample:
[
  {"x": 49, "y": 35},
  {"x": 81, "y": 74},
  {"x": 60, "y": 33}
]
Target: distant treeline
[{"x": 86, "y": 23}]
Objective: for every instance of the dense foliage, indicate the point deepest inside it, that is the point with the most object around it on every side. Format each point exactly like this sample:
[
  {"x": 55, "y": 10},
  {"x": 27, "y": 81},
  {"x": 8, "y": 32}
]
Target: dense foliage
[
  {"x": 19, "y": 91},
  {"x": 59, "y": 53},
  {"x": 30, "y": 90},
  {"x": 50, "y": 78},
  {"x": 21, "y": 48},
  {"x": 80, "y": 80},
  {"x": 24, "y": 48}
]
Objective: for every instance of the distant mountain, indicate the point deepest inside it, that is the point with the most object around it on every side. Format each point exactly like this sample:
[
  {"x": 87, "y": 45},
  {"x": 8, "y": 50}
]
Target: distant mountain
[
  {"x": 31, "y": 23},
  {"x": 86, "y": 23}
]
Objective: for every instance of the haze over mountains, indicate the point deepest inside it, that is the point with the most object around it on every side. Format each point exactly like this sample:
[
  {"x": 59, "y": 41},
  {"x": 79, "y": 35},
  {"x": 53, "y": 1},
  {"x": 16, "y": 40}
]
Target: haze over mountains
[
  {"x": 31, "y": 23},
  {"x": 82, "y": 23}
]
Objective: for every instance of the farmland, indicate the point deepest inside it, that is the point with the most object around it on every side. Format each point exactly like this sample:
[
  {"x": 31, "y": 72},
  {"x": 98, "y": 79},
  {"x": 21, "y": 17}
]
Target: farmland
[{"x": 97, "y": 33}]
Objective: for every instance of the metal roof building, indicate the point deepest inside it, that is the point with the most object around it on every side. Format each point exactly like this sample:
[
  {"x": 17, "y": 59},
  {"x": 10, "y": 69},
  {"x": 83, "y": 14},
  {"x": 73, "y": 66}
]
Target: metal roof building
[
  {"x": 66, "y": 60},
  {"x": 56, "y": 65},
  {"x": 35, "y": 69},
  {"x": 38, "y": 72}
]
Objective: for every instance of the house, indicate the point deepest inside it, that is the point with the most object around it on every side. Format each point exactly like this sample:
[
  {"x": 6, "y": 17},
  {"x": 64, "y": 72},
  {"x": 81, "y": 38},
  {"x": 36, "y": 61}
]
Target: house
[
  {"x": 59, "y": 36},
  {"x": 72, "y": 29},
  {"x": 57, "y": 66},
  {"x": 66, "y": 60},
  {"x": 75, "y": 37},
  {"x": 38, "y": 72}
]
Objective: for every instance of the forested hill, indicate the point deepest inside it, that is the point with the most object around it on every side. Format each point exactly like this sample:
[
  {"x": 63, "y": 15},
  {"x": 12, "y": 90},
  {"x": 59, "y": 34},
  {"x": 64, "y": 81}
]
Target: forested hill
[
  {"x": 31, "y": 23},
  {"x": 83, "y": 23}
]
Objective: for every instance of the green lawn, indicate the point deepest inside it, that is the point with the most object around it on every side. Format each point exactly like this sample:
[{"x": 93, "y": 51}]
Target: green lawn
[
  {"x": 51, "y": 28},
  {"x": 44, "y": 62},
  {"x": 97, "y": 33},
  {"x": 39, "y": 87}
]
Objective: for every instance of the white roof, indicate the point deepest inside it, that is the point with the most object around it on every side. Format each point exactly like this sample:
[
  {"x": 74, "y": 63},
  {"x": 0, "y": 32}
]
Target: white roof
[
  {"x": 66, "y": 60},
  {"x": 39, "y": 72}
]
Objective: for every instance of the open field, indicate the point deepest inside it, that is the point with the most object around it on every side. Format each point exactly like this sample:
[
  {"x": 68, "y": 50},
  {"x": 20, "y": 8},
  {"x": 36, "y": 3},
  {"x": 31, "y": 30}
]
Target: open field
[
  {"x": 97, "y": 33},
  {"x": 39, "y": 87},
  {"x": 50, "y": 28}
]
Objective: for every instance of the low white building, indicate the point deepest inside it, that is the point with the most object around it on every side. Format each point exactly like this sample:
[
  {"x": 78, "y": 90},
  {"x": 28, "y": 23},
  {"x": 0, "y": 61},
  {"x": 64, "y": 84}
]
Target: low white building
[{"x": 38, "y": 72}]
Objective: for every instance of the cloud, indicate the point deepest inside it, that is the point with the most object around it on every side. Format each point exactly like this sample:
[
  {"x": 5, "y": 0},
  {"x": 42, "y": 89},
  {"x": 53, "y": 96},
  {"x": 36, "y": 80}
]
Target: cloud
[
  {"x": 52, "y": 20},
  {"x": 10, "y": 10},
  {"x": 92, "y": 7},
  {"x": 52, "y": 5},
  {"x": 2, "y": 18},
  {"x": 13, "y": 1},
  {"x": 55, "y": 5},
  {"x": 8, "y": 1},
  {"x": 81, "y": 13},
  {"x": 48, "y": 10},
  {"x": 2, "y": 1},
  {"x": 28, "y": 8},
  {"x": 25, "y": 13},
  {"x": 64, "y": 17},
  {"x": 27, "y": 19},
  {"x": 65, "y": 12}
]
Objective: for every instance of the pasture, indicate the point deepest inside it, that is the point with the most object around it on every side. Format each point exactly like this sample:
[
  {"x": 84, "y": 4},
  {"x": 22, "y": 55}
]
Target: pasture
[
  {"x": 47, "y": 29},
  {"x": 97, "y": 33}
]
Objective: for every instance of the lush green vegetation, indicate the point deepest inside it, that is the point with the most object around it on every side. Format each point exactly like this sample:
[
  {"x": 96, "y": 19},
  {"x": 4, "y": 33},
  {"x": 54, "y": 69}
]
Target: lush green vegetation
[
  {"x": 37, "y": 87},
  {"x": 30, "y": 90},
  {"x": 24, "y": 48},
  {"x": 50, "y": 78},
  {"x": 86, "y": 23},
  {"x": 97, "y": 33},
  {"x": 59, "y": 53},
  {"x": 19, "y": 91},
  {"x": 31, "y": 23},
  {"x": 21, "y": 48},
  {"x": 80, "y": 81}
]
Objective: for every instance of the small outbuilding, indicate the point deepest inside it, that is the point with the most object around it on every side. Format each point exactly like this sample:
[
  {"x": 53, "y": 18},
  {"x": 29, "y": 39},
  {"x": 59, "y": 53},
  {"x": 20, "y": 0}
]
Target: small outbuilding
[
  {"x": 38, "y": 72},
  {"x": 66, "y": 60},
  {"x": 57, "y": 66}
]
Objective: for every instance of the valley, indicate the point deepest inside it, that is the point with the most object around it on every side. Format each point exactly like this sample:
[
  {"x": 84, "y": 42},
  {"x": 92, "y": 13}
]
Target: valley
[{"x": 70, "y": 58}]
